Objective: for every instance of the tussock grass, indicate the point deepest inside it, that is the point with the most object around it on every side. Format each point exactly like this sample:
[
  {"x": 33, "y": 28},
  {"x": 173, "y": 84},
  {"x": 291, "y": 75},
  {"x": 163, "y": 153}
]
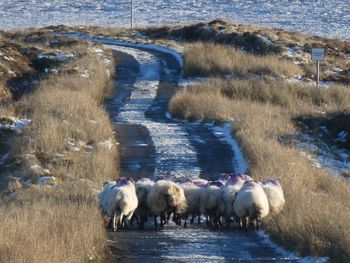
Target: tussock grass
[
  {"x": 298, "y": 99},
  {"x": 71, "y": 136},
  {"x": 209, "y": 59},
  {"x": 316, "y": 217},
  {"x": 65, "y": 110},
  {"x": 45, "y": 225}
]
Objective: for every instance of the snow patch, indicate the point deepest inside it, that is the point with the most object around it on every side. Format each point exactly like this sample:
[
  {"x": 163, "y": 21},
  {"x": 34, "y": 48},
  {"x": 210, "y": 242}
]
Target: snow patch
[
  {"x": 108, "y": 144},
  {"x": 287, "y": 254},
  {"x": 225, "y": 133},
  {"x": 321, "y": 155},
  {"x": 46, "y": 180},
  {"x": 61, "y": 56},
  {"x": 4, "y": 158},
  {"x": 192, "y": 81},
  {"x": 14, "y": 124}
]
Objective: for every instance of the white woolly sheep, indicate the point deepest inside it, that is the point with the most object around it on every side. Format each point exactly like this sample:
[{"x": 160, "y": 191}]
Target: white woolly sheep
[
  {"x": 192, "y": 194},
  {"x": 119, "y": 201},
  {"x": 211, "y": 202},
  {"x": 200, "y": 182},
  {"x": 166, "y": 197},
  {"x": 251, "y": 204},
  {"x": 275, "y": 196},
  {"x": 143, "y": 187},
  {"x": 102, "y": 195},
  {"x": 232, "y": 186}
]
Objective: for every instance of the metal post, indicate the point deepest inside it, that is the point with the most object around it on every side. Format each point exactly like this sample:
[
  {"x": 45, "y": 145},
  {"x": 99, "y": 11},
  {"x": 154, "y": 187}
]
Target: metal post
[
  {"x": 318, "y": 73},
  {"x": 131, "y": 13}
]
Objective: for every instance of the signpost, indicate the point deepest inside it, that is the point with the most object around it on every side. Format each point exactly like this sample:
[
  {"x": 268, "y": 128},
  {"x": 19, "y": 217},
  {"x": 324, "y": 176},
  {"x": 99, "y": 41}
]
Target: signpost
[
  {"x": 317, "y": 54},
  {"x": 131, "y": 12}
]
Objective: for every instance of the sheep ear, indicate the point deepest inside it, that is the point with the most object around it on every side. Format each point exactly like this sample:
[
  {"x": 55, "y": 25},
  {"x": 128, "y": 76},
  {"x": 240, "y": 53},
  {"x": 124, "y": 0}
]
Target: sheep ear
[
  {"x": 105, "y": 183},
  {"x": 132, "y": 180}
]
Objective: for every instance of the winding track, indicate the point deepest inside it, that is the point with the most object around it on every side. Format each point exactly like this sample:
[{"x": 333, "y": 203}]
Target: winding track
[{"x": 152, "y": 145}]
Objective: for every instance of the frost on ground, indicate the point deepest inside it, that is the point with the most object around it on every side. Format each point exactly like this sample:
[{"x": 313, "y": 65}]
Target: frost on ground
[
  {"x": 336, "y": 160},
  {"x": 13, "y": 124},
  {"x": 175, "y": 157},
  {"x": 289, "y": 255}
]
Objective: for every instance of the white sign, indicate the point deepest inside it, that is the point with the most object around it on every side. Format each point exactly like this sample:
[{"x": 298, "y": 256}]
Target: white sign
[{"x": 317, "y": 54}]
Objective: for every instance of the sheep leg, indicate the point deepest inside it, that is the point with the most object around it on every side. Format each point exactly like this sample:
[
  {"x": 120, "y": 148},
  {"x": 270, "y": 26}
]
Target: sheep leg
[
  {"x": 128, "y": 218},
  {"x": 143, "y": 219},
  {"x": 246, "y": 223},
  {"x": 137, "y": 220},
  {"x": 124, "y": 224},
  {"x": 228, "y": 221},
  {"x": 114, "y": 222},
  {"x": 207, "y": 220},
  {"x": 240, "y": 222},
  {"x": 257, "y": 223},
  {"x": 199, "y": 219},
  {"x": 192, "y": 219},
  {"x": 162, "y": 219},
  {"x": 120, "y": 220},
  {"x": 155, "y": 222},
  {"x": 134, "y": 218}
]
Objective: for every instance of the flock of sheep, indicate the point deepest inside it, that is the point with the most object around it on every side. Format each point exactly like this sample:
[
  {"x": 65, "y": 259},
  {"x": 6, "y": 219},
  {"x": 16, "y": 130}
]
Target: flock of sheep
[{"x": 233, "y": 197}]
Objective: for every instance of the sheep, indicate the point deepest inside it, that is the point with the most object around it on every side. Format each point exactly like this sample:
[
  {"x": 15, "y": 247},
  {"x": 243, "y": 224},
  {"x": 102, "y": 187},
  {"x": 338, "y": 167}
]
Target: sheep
[
  {"x": 246, "y": 177},
  {"x": 200, "y": 182},
  {"x": 274, "y": 193},
  {"x": 102, "y": 195},
  {"x": 211, "y": 203},
  {"x": 251, "y": 204},
  {"x": 224, "y": 178},
  {"x": 143, "y": 187},
  {"x": 166, "y": 197},
  {"x": 119, "y": 201},
  {"x": 232, "y": 186},
  {"x": 192, "y": 194}
]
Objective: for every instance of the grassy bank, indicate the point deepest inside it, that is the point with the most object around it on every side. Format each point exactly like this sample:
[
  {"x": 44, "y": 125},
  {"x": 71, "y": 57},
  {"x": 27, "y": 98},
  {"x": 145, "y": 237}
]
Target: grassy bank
[
  {"x": 213, "y": 60},
  {"x": 316, "y": 217},
  {"x": 70, "y": 140}
]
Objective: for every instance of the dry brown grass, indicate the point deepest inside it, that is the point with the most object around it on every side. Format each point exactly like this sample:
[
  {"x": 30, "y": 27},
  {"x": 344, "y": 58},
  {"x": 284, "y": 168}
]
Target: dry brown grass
[
  {"x": 298, "y": 99},
  {"x": 316, "y": 219},
  {"x": 56, "y": 225},
  {"x": 208, "y": 59},
  {"x": 68, "y": 136}
]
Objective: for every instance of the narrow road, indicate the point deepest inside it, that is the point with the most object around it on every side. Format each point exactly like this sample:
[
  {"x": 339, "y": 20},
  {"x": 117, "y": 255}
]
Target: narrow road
[{"x": 152, "y": 145}]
